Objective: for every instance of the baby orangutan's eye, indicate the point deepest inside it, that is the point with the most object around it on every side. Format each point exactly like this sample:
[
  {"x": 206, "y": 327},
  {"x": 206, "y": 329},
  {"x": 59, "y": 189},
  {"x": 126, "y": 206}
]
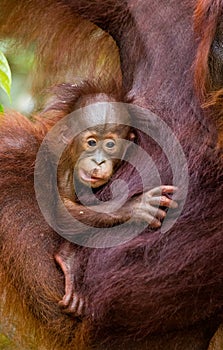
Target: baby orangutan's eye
[
  {"x": 110, "y": 144},
  {"x": 92, "y": 142}
]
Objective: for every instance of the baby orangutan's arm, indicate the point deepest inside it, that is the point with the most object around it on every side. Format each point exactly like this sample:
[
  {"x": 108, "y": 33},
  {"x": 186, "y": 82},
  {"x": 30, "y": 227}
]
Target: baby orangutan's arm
[{"x": 144, "y": 207}]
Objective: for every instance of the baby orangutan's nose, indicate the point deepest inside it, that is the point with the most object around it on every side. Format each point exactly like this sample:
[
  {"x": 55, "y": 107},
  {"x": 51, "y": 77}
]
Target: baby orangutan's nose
[
  {"x": 99, "y": 161},
  {"x": 98, "y": 157}
]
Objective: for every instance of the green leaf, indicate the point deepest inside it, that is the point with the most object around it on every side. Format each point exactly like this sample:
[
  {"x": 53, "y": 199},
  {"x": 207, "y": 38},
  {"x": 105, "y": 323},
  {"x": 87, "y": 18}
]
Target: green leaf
[
  {"x": 1, "y": 109},
  {"x": 5, "y": 75}
]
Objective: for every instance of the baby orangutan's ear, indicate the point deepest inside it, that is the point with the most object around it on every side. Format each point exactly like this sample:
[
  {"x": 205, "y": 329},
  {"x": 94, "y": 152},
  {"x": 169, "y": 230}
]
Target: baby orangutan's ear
[{"x": 132, "y": 136}]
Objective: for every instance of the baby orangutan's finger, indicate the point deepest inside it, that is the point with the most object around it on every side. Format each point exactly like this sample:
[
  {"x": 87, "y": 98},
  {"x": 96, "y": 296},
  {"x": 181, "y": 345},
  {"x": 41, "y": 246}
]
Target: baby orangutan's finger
[
  {"x": 155, "y": 223},
  {"x": 143, "y": 214},
  {"x": 162, "y": 201},
  {"x": 169, "y": 189},
  {"x": 156, "y": 191},
  {"x": 80, "y": 309},
  {"x": 156, "y": 212},
  {"x": 65, "y": 301}
]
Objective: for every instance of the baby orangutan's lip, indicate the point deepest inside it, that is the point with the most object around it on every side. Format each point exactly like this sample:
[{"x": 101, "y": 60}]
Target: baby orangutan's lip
[{"x": 87, "y": 177}]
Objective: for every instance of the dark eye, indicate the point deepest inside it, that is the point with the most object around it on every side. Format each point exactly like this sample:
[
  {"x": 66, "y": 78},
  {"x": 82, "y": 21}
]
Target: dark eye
[
  {"x": 110, "y": 144},
  {"x": 92, "y": 142}
]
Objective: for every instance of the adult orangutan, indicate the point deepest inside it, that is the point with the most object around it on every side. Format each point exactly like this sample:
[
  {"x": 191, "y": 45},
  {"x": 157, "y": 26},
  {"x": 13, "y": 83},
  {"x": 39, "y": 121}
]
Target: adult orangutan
[{"x": 157, "y": 291}]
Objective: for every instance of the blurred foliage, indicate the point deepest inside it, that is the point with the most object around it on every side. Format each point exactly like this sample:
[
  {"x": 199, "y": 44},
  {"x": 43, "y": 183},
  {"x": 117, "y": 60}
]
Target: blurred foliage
[
  {"x": 5, "y": 343},
  {"x": 21, "y": 63},
  {"x": 5, "y": 77}
]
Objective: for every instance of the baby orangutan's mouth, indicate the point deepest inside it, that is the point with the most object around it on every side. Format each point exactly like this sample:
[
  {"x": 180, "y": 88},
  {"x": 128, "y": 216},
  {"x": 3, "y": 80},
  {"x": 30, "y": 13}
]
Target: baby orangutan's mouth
[{"x": 91, "y": 178}]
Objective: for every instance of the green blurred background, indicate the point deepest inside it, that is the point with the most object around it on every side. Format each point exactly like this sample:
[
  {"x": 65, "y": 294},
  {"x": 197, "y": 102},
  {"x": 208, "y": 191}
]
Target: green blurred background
[{"x": 21, "y": 63}]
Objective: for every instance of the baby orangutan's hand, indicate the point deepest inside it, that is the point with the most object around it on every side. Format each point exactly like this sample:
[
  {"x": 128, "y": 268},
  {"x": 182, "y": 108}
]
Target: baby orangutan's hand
[{"x": 147, "y": 206}]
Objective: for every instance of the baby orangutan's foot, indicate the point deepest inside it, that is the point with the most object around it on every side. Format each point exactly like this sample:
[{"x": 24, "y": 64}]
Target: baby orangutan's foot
[{"x": 72, "y": 303}]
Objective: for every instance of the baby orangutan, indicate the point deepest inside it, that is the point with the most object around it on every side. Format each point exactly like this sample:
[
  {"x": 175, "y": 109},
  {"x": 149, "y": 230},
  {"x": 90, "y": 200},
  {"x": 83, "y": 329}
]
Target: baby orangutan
[{"x": 89, "y": 162}]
